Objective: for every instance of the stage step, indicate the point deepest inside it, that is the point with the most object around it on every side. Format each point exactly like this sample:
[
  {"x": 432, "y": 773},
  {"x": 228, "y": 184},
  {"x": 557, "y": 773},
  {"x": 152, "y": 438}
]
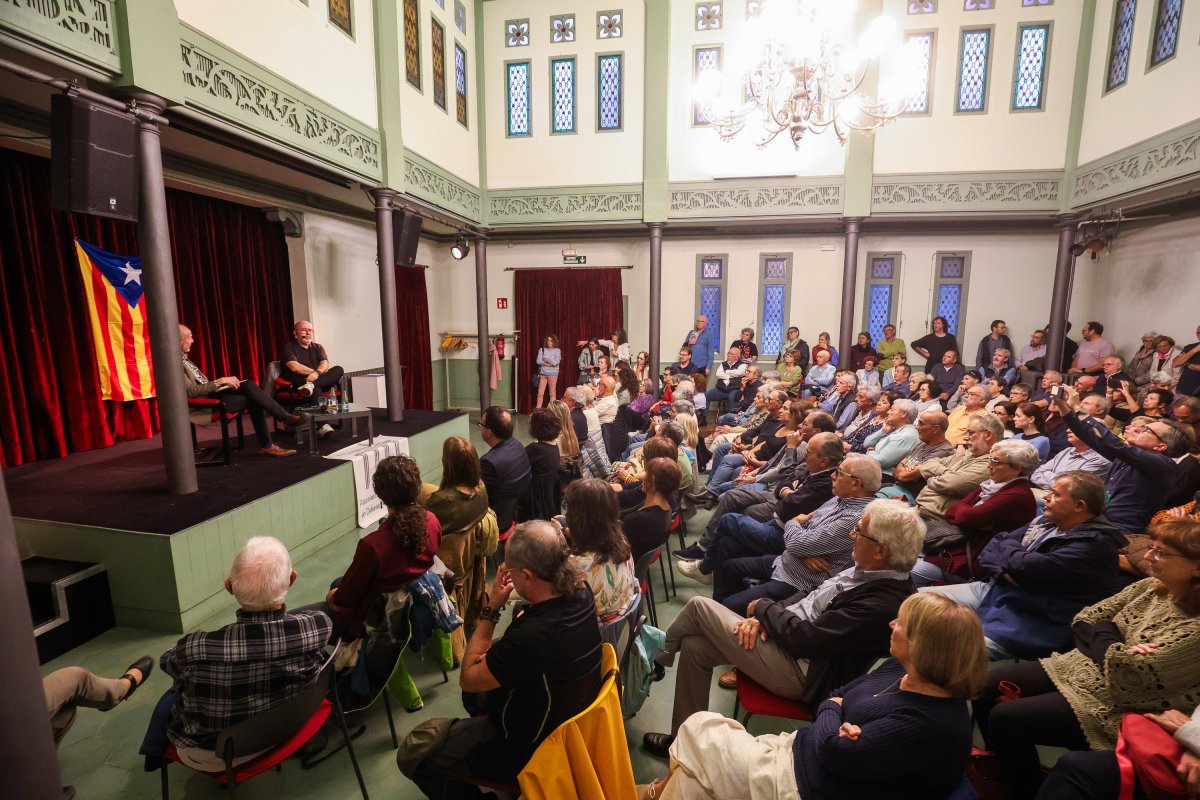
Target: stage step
[{"x": 70, "y": 603}]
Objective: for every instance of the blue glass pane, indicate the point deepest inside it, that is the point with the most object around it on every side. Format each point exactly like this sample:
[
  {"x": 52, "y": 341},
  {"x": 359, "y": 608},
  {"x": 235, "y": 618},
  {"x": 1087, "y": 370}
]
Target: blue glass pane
[
  {"x": 460, "y": 71},
  {"x": 776, "y": 268},
  {"x": 774, "y": 311},
  {"x": 972, "y": 70},
  {"x": 952, "y": 267},
  {"x": 710, "y": 306},
  {"x": 1166, "y": 30},
  {"x": 1122, "y": 37},
  {"x": 949, "y": 297},
  {"x": 460, "y": 16},
  {"x": 518, "y": 99},
  {"x": 711, "y": 268},
  {"x": 879, "y": 309},
  {"x": 610, "y": 92},
  {"x": 706, "y": 58},
  {"x": 883, "y": 268},
  {"x": 1031, "y": 66},
  {"x": 563, "y": 75},
  {"x": 918, "y": 103}
]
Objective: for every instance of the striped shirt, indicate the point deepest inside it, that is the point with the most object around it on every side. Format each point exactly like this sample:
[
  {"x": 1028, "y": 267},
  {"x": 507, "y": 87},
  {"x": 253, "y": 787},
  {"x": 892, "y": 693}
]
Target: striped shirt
[
  {"x": 226, "y": 676},
  {"x": 825, "y": 534}
]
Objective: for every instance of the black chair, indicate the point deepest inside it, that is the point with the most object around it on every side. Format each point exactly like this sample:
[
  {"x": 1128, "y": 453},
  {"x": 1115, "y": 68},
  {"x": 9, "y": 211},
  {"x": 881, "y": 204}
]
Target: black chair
[
  {"x": 224, "y": 410},
  {"x": 276, "y": 734}
]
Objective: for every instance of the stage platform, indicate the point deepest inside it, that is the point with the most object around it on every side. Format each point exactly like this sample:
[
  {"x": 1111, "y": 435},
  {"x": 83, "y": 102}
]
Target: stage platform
[{"x": 167, "y": 556}]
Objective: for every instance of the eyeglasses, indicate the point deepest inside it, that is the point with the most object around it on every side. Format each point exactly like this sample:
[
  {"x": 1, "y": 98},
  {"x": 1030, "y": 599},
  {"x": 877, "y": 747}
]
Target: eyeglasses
[
  {"x": 845, "y": 474},
  {"x": 1146, "y": 428},
  {"x": 1157, "y": 552},
  {"x": 857, "y": 532},
  {"x": 995, "y": 462}
]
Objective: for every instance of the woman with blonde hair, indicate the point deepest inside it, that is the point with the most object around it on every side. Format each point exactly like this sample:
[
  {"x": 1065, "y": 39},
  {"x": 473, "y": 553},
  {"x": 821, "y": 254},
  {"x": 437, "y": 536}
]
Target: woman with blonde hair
[
  {"x": 907, "y": 720},
  {"x": 568, "y": 443}
]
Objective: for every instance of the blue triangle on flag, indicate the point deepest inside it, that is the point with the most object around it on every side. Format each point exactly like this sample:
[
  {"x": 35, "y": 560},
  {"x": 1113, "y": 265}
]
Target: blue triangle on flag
[{"x": 123, "y": 272}]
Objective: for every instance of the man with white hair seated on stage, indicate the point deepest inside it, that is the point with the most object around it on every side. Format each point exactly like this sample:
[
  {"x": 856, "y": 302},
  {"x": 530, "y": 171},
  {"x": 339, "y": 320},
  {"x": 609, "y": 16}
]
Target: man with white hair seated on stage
[
  {"x": 226, "y": 676},
  {"x": 305, "y": 363}
]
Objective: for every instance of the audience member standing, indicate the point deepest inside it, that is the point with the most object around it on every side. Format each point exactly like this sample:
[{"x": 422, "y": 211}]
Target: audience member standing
[
  {"x": 823, "y": 346},
  {"x": 549, "y": 356},
  {"x": 1089, "y": 357},
  {"x": 934, "y": 345},
  {"x": 995, "y": 340},
  {"x": 861, "y": 351},
  {"x": 1033, "y": 352},
  {"x": 794, "y": 344},
  {"x": 589, "y": 361},
  {"x": 1188, "y": 362},
  {"x": 703, "y": 344},
  {"x": 889, "y": 345}
]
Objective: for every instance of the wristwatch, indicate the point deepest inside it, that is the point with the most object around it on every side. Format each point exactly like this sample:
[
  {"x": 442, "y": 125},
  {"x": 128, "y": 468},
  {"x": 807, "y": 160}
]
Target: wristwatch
[{"x": 492, "y": 615}]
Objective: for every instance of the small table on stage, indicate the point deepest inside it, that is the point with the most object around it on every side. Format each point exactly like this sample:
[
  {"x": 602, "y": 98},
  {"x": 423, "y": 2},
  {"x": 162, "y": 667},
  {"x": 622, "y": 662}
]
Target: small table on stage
[{"x": 316, "y": 417}]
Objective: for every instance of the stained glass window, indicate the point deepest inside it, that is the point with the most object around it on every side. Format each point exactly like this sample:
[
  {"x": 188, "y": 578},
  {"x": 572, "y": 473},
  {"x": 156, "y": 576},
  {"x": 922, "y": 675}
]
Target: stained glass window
[
  {"x": 753, "y": 8},
  {"x": 1036, "y": 3},
  {"x": 950, "y": 289},
  {"x": 1033, "y": 44},
  {"x": 460, "y": 83},
  {"x": 775, "y": 268},
  {"x": 437, "y": 43},
  {"x": 609, "y": 91},
  {"x": 712, "y": 269},
  {"x": 704, "y": 58},
  {"x": 412, "y": 44},
  {"x": 708, "y": 16},
  {"x": 978, "y": 5},
  {"x": 562, "y": 87},
  {"x": 710, "y": 297},
  {"x": 773, "y": 299},
  {"x": 973, "y": 70},
  {"x": 460, "y": 16},
  {"x": 610, "y": 24},
  {"x": 1166, "y": 30},
  {"x": 710, "y": 306},
  {"x": 922, "y": 7},
  {"x": 516, "y": 33},
  {"x": 341, "y": 16},
  {"x": 1122, "y": 40},
  {"x": 919, "y": 103},
  {"x": 518, "y": 98},
  {"x": 882, "y": 289},
  {"x": 562, "y": 29}
]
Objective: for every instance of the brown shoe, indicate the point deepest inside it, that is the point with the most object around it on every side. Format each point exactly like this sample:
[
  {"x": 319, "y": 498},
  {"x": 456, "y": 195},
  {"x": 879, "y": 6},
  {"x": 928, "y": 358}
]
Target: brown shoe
[
  {"x": 728, "y": 680},
  {"x": 293, "y": 420},
  {"x": 276, "y": 450}
]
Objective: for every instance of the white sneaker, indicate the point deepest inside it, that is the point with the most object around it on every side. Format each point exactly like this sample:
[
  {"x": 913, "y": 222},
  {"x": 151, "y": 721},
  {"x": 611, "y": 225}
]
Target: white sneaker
[
  {"x": 306, "y": 390},
  {"x": 324, "y": 431},
  {"x": 692, "y": 570}
]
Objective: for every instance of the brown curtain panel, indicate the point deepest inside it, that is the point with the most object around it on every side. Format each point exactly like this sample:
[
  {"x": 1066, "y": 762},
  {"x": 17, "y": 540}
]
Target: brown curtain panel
[
  {"x": 412, "y": 310},
  {"x": 572, "y": 304}
]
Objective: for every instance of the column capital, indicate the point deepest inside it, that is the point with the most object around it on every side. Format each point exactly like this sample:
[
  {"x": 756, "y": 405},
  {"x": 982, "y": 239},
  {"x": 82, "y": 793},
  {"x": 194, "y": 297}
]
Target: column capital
[
  {"x": 383, "y": 197},
  {"x": 852, "y": 223},
  {"x": 656, "y": 227},
  {"x": 1066, "y": 220},
  {"x": 482, "y": 234}
]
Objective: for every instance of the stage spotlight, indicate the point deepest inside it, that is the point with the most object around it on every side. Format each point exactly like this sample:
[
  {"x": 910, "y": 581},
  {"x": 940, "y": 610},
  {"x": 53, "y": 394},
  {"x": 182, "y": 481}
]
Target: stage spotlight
[
  {"x": 460, "y": 248},
  {"x": 1079, "y": 248}
]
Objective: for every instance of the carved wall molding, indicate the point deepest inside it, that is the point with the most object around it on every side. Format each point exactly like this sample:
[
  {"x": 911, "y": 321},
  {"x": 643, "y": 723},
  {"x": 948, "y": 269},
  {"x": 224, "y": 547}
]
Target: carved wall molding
[
  {"x": 1155, "y": 162},
  {"x": 581, "y": 206},
  {"x": 733, "y": 201},
  {"x": 968, "y": 194},
  {"x": 252, "y": 98},
  {"x": 439, "y": 187},
  {"x": 84, "y": 28}
]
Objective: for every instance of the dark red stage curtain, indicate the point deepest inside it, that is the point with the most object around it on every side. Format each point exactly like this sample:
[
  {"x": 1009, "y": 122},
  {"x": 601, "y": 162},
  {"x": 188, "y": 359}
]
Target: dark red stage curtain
[
  {"x": 412, "y": 309},
  {"x": 573, "y": 304},
  {"x": 231, "y": 268}
]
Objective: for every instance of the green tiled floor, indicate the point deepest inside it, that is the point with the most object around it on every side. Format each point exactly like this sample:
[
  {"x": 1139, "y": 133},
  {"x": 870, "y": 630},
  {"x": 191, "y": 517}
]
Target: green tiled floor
[{"x": 99, "y": 756}]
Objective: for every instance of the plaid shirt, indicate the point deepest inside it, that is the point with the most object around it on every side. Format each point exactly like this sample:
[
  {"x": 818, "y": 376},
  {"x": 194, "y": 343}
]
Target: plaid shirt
[
  {"x": 826, "y": 534},
  {"x": 229, "y": 675}
]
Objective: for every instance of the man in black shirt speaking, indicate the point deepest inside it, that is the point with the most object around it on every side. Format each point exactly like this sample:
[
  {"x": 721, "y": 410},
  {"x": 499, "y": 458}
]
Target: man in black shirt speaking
[
  {"x": 544, "y": 670},
  {"x": 305, "y": 363}
]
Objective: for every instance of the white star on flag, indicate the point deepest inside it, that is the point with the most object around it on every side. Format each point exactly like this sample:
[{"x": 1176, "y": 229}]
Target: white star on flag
[{"x": 131, "y": 274}]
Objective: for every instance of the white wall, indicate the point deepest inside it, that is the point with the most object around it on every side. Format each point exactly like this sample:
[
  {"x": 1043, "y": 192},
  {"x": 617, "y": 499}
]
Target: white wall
[
  {"x": 588, "y": 156},
  {"x": 429, "y": 130},
  {"x": 296, "y": 41},
  {"x": 1150, "y": 102},
  {"x": 1000, "y": 139},
  {"x": 1150, "y": 281}
]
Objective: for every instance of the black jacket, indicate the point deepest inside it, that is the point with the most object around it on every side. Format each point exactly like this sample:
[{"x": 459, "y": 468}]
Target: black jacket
[{"x": 811, "y": 494}]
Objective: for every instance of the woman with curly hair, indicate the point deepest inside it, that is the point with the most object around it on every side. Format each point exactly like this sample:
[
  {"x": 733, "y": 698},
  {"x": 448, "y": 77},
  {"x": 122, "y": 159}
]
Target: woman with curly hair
[
  {"x": 399, "y": 550},
  {"x": 599, "y": 548}
]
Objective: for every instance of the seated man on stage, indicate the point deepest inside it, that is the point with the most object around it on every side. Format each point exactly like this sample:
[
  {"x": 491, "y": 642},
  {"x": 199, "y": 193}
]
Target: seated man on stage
[
  {"x": 226, "y": 676},
  {"x": 805, "y": 645},
  {"x": 306, "y": 365},
  {"x": 237, "y": 394}
]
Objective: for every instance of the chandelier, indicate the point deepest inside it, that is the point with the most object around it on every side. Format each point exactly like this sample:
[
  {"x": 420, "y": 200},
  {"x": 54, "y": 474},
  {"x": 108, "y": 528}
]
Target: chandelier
[{"x": 796, "y": 68}]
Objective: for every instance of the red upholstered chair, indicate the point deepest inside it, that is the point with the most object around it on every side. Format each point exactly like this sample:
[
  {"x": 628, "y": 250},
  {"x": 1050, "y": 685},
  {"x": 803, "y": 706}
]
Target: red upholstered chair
[
  {"x": 276, "y": 734},
  {"x": 224, "y": 416},
  {"x": 756, "y": 700},
  {"x": 281, "y": 388}
]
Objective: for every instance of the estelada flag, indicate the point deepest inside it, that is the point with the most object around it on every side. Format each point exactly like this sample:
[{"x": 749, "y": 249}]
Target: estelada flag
[{"x": 117, "y": 307}]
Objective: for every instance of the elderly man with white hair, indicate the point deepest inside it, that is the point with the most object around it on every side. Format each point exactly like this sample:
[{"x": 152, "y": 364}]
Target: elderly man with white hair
[
  {"x": 803, "y": 645},
  {"x": 606, "y": 399},
  {"x": 226, "y": 676}
]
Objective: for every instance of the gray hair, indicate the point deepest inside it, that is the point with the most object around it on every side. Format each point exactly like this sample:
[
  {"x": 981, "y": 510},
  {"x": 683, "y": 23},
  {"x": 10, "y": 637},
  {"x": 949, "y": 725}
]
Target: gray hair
[
  {"x": 770, "y": 376},
  {"x": 540, "y": 547},
  {"x": 909, "y": 407},
  {"x": 1100, "y": 400},
  {"x": 1002, "y": 350},
  {"x": 851, "y": 379},
  {"x": 1020, "y": 454},
  {"x": 1120, "y": 361},
  {"x": 683, "y": 405},
  {"x": 873, "y": 391},
  {"x": 778, "y": 395},
  {"x": 588, "y": 394},
  {"x": 1150, "y": 335},
  {"x": 827, "y": 445},
  {"x": 1053, "y": 375},
  {"x": 261, "y": 574},
  {"x": 899, "y": 528},
  {"x": 576, "y": 395},
  {"x": 645, "y": 384},
  {"x": 1161, "y": 377},
  {"x": 686, "y": 390},
  {"x": 991, "y": 424},
  {"x": 866, "y": 469}
]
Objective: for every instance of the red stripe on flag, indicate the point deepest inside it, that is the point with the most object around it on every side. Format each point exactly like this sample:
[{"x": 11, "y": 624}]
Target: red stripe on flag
[{"x": 131, "y": 359}]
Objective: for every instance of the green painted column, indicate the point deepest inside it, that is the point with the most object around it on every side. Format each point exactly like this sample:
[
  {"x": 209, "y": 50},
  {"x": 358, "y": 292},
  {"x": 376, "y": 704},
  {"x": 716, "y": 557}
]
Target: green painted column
[
  {"x": 1087, "y": 26},
  {"x": 481, "y": 114},
  {"x": 150, "y": 60},
  {"x": 860, "y": 147},
  {"x": 656, "y": 150},
  {"x": 387, "y": 88}
]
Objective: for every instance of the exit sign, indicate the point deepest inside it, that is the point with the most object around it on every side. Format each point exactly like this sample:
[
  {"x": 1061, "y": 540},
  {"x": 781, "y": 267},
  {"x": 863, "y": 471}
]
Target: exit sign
[
  {"x": 501, "y": 302},
  {"x": 574, "y": 259}
]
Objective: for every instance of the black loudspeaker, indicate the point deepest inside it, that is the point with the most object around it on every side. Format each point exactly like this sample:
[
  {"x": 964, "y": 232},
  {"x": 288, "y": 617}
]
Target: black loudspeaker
[
  {"x": 406, "y": 233},
  {"x": 93, "y": 159}
]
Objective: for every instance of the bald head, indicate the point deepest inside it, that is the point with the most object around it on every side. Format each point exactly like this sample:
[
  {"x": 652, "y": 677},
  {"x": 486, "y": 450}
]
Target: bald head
[
  {"x": 185, "y": 338},
  {"x": 304, "y": 332}
]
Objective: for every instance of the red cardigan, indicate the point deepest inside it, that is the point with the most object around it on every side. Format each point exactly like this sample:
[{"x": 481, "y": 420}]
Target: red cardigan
[
  {"x": 1006, "y": 510},
  {"x": 380, "y": 567}
]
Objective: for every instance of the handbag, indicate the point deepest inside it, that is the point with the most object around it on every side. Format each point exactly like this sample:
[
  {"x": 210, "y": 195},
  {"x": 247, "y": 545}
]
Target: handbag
[
  {"x": 1148, "y": 756},
  {"x": 941, "y": 535}
]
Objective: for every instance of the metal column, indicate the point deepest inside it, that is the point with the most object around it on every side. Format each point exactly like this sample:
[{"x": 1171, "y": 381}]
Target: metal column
[
  {"x": 656, "y": 233},
  {"x": 846, "y": 337},
  {"x": 386, "y": 257},
  {"x": 1060, "y": 300},
  {"x": 481, "y": 320}
]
